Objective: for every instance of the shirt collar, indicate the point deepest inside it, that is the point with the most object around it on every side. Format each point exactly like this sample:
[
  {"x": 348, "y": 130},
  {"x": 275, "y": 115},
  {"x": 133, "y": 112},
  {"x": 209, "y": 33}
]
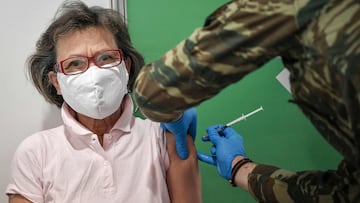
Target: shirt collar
[{"x": 125, "y": 120}]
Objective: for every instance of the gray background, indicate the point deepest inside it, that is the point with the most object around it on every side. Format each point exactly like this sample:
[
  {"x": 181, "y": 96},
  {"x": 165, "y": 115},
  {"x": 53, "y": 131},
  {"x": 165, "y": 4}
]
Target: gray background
[{"x": 22, "y": 110}]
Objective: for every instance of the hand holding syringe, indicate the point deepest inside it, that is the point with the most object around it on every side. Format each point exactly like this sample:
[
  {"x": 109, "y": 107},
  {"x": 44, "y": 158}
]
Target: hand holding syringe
[{"x": 242, "y": 117}]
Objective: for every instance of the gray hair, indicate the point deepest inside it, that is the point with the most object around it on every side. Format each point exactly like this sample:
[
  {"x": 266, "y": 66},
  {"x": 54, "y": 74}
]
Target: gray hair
[{"x": 75, "y": 15}]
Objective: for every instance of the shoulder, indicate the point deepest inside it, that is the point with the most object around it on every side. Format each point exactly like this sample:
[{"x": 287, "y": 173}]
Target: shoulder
[
  {"x": 151, "y": 130},
  {"x": 40, "y": 141},
  {"x": 147, "y": 124}
]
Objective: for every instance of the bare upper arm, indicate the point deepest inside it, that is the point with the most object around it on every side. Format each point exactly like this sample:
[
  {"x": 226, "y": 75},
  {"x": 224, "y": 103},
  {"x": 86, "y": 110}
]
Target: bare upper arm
[
  {"x": 16, "y": 198},
  {"x": 183, "y": 176}
]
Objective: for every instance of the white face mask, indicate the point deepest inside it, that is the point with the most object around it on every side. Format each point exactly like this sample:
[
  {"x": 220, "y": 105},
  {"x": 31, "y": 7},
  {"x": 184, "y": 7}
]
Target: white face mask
[{"x": 96, "y": 93}]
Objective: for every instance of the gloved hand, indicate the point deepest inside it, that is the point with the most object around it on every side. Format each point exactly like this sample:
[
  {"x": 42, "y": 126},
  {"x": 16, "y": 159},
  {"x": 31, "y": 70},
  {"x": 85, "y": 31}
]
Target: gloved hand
[
  {"x": 180, "y": 128},
  {"x": 226, "y": 146}
]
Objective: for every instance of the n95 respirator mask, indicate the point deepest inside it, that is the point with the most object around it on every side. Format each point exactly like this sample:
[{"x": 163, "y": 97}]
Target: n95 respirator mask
[{"x": 97, "y": 92}]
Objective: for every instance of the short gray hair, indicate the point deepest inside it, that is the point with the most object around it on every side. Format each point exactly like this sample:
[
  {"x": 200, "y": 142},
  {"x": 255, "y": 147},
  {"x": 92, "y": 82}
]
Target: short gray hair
[{"x": 75, "y": 15}]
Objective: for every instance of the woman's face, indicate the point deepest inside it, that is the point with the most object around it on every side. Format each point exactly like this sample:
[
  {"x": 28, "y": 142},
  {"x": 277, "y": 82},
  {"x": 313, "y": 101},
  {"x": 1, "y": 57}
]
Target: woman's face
[{"x": 86, "y": 42}]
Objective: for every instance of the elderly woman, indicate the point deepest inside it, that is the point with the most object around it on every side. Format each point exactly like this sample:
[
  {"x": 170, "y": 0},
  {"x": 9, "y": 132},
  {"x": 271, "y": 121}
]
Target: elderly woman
[{"x": 85, "y": 64}]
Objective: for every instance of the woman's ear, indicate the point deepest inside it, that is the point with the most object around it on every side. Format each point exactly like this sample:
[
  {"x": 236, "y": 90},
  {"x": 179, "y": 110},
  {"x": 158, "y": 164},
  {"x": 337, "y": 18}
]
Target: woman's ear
[{"x": 54, "y": 81}]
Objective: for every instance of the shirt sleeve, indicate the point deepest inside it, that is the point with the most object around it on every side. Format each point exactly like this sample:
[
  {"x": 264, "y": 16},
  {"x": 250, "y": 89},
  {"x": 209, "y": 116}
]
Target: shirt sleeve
[
  {"x": 25, "y": 178},
  {"x": 161, "y": 143},
  {"x": 272, "y": 184},
  {"x": 236, "y": 39}
]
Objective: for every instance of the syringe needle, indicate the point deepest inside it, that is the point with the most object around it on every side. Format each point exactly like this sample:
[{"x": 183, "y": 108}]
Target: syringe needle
[{"x": 242, "y": 117}]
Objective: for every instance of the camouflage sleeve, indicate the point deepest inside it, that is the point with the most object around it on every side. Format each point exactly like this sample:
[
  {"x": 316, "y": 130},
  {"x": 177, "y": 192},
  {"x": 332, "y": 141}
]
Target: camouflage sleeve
[
  {"x": 236, "y": 39},
  {"x": 271, "y": 184}
]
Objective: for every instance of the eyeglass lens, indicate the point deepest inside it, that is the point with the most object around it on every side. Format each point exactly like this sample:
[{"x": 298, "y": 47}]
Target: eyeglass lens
[{"x": 79, "y": 64}]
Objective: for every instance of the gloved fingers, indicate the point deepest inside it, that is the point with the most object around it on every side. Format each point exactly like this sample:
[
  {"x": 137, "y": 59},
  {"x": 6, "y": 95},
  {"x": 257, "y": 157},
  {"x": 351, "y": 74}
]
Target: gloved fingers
[
  {"x": 190, "y": 113},
  {"x": 213, "y": 133},
  {"x": 187, "y": 118},
  {"x": 213, "y": 150},
  {"x": 186, "y": 123},
  {"x": 213, "y": 127},
  {"x": 181, "y": 146},
  {"x": 229, "y": 131},
  {"x": 190, "y": 119},
  {"x": 219, "y": 126},
  {"x": 192, "y": 129},
  {"x": 206, "y": 158}
]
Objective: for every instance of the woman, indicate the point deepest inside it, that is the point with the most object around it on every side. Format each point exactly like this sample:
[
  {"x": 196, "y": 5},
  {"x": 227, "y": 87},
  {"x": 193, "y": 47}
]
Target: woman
[{"x": 85, "y": 64}]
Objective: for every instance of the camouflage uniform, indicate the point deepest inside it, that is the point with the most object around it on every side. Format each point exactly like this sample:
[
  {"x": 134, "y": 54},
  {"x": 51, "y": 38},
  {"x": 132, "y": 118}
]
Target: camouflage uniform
[{"x": 319, "y": 43}]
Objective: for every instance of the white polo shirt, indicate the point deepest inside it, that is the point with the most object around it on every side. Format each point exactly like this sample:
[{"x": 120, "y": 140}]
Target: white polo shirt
[{"x": 68, "y": 164}]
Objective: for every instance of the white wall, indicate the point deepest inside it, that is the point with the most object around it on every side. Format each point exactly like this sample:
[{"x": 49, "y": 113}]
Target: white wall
[{"x": 22, "y": 110}]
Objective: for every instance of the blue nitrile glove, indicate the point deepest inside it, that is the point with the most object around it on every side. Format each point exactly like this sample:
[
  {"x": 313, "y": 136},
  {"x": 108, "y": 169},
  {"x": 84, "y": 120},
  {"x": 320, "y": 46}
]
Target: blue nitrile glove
[
  {"x": 180, "y": 128},
  {"x": 226, "y": 146}
]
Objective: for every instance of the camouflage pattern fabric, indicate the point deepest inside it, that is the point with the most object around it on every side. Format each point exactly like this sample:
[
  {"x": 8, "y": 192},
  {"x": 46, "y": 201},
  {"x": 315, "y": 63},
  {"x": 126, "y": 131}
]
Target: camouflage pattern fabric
[{"x": 319, "y": 43}]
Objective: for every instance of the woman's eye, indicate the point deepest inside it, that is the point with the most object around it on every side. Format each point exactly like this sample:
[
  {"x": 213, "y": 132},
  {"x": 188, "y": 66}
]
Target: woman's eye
[
  {"x": 74, "y": 64},
  {"x": 107, "y": 58}
]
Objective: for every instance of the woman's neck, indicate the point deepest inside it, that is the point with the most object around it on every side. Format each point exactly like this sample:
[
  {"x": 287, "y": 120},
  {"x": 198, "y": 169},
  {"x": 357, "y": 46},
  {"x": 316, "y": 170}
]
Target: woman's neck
[{"x": 100, "y": 126}]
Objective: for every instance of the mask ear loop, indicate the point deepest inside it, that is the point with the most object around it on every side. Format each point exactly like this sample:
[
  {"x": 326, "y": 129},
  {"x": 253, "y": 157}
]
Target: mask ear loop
[
  {"x": 137, "y": 107},
  {"x": 129, "y": 91}
]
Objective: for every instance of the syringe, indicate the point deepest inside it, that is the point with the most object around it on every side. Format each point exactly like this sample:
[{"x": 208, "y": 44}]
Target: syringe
[{"x": 242, "y": 117}]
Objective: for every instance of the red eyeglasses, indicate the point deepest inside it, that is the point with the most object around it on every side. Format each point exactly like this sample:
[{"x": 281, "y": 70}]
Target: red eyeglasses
[{"x": 79, "y": 64}]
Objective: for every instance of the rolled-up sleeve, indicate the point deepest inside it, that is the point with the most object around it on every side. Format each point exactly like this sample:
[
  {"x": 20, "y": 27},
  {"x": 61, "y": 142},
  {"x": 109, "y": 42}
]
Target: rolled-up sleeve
[{"x": 25, "y": 178}]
